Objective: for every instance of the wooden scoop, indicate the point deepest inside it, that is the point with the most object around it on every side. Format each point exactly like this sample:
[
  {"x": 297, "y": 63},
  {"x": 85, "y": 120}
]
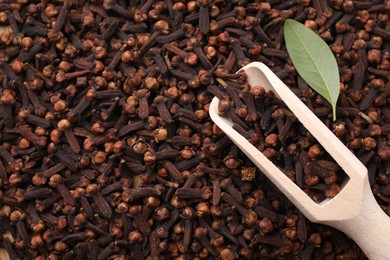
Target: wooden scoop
[{"x": 354, "y": 210}]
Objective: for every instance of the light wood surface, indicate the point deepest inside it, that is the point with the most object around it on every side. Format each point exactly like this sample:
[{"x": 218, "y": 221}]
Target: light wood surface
[
  {"x": 3, "y": 252},
  {"x": 354, "y": 210}
]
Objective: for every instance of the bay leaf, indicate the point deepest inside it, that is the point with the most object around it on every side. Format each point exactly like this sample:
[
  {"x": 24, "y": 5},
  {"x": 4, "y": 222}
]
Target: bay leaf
[{"x": 313, "y": 60}]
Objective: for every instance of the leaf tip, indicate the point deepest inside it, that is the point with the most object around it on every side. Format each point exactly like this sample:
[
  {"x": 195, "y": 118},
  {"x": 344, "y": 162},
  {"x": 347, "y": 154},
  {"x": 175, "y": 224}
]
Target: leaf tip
[{"x": 288, "y": 22}]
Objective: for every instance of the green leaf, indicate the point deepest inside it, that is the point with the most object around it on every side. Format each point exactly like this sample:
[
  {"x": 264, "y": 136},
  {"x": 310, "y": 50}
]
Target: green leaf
[{"x": 313, "y": 60}]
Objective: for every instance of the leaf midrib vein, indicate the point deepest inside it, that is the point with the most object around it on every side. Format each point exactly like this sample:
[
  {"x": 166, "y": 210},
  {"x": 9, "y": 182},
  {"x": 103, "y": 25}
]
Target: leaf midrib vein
[{"x": 315, "y": 64}]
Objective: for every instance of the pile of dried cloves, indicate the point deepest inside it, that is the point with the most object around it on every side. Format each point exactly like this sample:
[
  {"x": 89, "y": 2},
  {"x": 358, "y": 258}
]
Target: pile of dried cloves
[
  {"x": 282, "y": 138},
  {"x": 107, "y": 150}
]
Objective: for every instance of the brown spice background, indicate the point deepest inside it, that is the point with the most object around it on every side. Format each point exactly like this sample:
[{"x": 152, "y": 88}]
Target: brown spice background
[{"x": 107, "y": 150}]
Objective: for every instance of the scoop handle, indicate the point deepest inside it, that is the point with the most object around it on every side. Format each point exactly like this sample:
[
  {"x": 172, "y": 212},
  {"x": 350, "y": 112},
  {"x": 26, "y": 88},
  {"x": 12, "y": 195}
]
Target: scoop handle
[{"x": 370, "y": 229}]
